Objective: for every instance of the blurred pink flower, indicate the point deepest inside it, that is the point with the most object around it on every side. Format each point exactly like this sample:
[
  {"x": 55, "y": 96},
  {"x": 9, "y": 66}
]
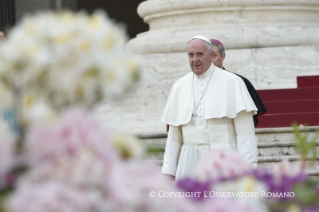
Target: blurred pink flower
[
  {"x": 76, "y": 149},
  {"x": 68, "y": 137},
  {"x": 221, "y": 165},
  {"x": 130, "y": 185},
  {"x": 54, "y": 197},
  {"x": 285, "y": 168}
]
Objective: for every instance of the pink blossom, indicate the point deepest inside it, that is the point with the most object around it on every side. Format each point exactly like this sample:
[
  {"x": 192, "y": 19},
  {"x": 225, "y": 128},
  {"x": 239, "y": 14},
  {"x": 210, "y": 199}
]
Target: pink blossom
[
  {"x": 130, "y": 185},
  {"x": 76, "y": 150},
  {"x": 285, "y": 168},
  {"x": 221, "y": 165},
  {"x": 54, "y": 197},
  {"x": 69, "y": 137}
]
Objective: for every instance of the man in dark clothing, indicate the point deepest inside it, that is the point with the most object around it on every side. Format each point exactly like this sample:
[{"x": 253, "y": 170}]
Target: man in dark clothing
[{"x": 218, "y": 57}]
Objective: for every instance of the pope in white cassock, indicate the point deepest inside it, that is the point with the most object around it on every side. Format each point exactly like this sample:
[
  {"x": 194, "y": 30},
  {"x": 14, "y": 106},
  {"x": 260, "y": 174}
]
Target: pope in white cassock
[{"x": 208, "y": 109}]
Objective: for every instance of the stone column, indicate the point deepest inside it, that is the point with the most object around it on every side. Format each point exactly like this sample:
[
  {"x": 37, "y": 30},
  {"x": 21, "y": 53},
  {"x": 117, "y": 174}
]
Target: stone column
[{"x": 269, "y": 42}]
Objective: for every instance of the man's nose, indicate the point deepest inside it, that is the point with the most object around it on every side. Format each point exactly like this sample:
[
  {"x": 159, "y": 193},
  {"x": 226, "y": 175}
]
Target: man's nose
[{"x": 195, "y": 58}]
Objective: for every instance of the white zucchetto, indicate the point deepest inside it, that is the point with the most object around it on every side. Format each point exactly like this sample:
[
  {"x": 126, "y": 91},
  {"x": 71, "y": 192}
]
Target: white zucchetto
[{"x": 201, "y": 37}]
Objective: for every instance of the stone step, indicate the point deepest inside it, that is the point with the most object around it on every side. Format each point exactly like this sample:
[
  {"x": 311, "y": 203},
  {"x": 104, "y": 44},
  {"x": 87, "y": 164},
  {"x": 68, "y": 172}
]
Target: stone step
[
  {"x": 271, "y": 135},
  {"x": 307, "y": 81},
  {"x": 289, "y": 94},
  {"x": 269, "y": 162},
  {"x": 264, "y": 149},
  {"x": 279, "y": 149},
  {"x": 274, "y": 145},
  {"x": 282, "y": 134},
  {"x": 286, "y": 119},
  {"x": 271, "y": 142}
]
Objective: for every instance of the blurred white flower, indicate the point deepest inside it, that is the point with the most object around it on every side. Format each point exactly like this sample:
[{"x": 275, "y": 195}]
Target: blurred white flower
[
  {"x": 34, "y": 110},
  {"x": 67, "y": 59},
  {"x": 6, "y": 100},
  {"x": 249, "y": 192}
]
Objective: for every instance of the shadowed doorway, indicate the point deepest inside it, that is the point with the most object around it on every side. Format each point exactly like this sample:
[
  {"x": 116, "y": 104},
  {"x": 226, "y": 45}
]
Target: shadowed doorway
[{"x": 123, "y": 11}]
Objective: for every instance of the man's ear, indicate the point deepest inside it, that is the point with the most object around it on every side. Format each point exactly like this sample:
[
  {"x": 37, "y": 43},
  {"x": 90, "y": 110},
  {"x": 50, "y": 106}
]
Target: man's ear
[
  {"x": 223, "y": 56},
  {"x": 211, "y": 56}
]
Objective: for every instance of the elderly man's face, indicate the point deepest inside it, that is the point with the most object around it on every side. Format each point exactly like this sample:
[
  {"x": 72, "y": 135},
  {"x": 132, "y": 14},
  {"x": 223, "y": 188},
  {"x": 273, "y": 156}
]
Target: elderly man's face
[
  {"x": 217, "y": 57},
  {"x": 199, "y": 57},
  {"x": 2, "y": 36}
]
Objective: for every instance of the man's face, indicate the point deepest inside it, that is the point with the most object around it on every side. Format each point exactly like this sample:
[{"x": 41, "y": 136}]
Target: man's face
[
  {"x": 2, "y": 36},
  {"x": 199, "y": 58},
  {"x": 217, "y": 57}
]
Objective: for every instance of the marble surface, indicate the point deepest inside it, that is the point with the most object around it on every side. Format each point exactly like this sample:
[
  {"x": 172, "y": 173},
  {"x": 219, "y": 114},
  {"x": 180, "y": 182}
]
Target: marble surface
[
  {"x": 239, "y": 24},
  {"x": 266, "y": 68}
]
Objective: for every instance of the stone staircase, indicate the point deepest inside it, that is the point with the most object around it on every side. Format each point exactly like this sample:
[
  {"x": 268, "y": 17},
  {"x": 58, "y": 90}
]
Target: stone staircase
[
  {"x": 274, "y": 145},
  {"x": 277, "y": 144},
  {"x": 285, "y": 106}
]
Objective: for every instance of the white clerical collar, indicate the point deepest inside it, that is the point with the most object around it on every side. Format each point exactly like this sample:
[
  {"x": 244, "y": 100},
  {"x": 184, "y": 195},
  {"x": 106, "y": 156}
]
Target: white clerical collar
[{"x": 207, "y": 73}]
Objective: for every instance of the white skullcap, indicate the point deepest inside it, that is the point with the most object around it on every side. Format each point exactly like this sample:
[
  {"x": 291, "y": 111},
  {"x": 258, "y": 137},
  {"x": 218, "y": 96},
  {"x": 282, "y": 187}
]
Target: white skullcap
[{"x": 201, "y": 38}]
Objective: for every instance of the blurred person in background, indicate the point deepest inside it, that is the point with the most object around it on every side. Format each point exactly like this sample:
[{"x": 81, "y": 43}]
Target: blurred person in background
[
  {"x": 2, "y": 35},
  {"x": 219, "y": 56}
]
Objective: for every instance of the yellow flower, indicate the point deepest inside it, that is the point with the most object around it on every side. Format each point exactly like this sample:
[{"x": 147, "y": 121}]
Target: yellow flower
[
  {"x": 128, "y": 147},
  {"x": 85, "y": 46},
  {"x": 109, "y": 41},
  {"x": 62, "y": 38},
  {"x": 249, "y": 184},
  {"x": 94, "y": 22}
]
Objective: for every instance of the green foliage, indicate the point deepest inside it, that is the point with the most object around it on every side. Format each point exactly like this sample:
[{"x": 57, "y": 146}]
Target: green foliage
[{"x": 305, "y": 145}]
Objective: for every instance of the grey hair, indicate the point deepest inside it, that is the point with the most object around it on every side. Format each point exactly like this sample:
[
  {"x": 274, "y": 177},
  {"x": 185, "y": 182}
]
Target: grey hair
[
  {"x": 220, "y": 47},
  {"x": 209, "y": 47}
]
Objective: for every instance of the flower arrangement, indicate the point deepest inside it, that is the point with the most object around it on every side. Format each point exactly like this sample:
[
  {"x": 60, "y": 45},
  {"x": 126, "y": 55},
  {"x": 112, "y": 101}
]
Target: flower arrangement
[{"x": 63, "y": 160}]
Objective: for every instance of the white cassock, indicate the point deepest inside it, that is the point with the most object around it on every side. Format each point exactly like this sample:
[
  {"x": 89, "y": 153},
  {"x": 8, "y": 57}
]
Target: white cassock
[{"x": 222, "y": 119}]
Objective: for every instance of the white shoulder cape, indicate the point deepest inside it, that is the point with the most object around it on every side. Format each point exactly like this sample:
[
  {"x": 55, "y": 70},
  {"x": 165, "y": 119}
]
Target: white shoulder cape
[{"x": 226, "y": 95}]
